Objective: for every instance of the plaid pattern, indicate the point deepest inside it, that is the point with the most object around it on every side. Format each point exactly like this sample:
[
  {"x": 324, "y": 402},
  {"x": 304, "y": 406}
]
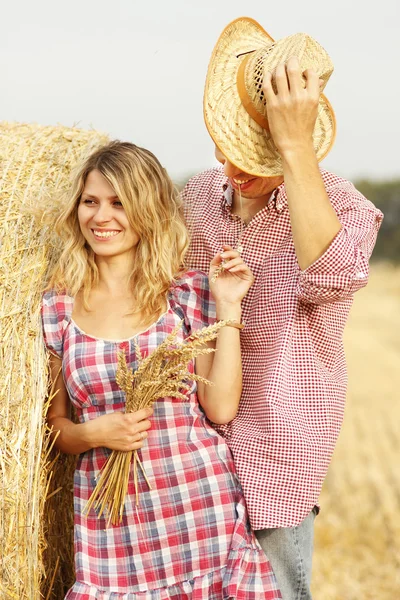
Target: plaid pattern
[
  {"x": 293, "y": 361},
  {"x": 190, "y": 535}
]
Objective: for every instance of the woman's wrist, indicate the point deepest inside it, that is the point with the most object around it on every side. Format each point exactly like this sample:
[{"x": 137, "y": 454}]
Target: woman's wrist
[
  {"x": 87, "y": 434},
  {"x": 229, "y": 310}
]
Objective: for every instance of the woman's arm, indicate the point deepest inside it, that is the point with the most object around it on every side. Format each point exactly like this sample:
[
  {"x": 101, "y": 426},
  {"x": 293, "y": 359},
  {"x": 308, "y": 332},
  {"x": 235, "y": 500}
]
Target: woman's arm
[
  {"x": 117, "y": 431},
  {"x": 223, "y": 368}
]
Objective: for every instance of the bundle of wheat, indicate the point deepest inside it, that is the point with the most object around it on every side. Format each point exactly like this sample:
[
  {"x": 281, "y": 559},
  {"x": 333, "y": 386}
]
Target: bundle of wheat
[
  {"x": 36, "y": 556},
  {"x": 165, "y": 372}
]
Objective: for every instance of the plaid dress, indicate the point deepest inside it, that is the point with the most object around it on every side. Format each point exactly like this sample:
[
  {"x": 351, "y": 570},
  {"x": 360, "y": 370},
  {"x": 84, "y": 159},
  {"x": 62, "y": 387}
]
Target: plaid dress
[{"x": 189, "y": 538}]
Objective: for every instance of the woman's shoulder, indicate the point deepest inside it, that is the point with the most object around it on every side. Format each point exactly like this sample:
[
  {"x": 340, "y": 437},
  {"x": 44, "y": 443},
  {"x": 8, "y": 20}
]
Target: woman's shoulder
[
  {"x": 56, "y": 314},
  {"x": 191, "y": 296},
  {"x": 191, "y": 280},
  {"x": 58, "y": 302}
]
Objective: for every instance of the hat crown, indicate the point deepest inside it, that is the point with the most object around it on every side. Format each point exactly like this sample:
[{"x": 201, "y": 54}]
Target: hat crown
[
  {"x": 310, "y": 53},
  {"x": 234, "y": 107}
]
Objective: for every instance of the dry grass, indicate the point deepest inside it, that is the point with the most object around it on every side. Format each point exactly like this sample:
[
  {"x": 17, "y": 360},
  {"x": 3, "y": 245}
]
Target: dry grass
[
  {"x": 357, "y": 546},
  {"x": 35, "y": 515}
]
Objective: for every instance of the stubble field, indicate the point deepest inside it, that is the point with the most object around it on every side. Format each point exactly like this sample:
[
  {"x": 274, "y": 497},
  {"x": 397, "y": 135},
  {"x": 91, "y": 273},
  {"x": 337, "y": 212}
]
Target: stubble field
[{"x": 357, "y": 535}]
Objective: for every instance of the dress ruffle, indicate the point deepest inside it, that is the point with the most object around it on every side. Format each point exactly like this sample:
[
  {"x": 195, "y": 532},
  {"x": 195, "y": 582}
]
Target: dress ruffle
[{"x": 247, "y": 576}]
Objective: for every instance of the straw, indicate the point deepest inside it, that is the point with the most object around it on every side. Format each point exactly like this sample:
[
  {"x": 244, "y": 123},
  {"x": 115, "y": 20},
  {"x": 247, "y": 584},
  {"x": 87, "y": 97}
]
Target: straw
[
  {"x": 36, "y": 511},
  {"x": 234, "y": 104}
]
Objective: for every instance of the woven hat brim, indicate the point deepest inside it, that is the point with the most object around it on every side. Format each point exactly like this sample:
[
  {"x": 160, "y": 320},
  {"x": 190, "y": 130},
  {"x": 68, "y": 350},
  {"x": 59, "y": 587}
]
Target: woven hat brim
[{"x": 243, "y": 141}]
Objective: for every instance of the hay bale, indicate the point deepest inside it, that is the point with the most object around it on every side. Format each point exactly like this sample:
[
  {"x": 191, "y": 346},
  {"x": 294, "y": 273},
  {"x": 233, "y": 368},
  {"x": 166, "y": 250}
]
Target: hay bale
[{"x": 36, "y": 487}]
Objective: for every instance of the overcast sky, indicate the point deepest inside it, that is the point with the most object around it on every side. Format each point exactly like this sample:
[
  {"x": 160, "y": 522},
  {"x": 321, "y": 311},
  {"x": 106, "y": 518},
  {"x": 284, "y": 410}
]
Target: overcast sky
[{"x": 136, "y": 70}]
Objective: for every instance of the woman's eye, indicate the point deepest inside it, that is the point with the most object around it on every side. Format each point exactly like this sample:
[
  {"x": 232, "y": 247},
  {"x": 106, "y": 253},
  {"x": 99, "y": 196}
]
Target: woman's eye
[
  {"x": 118, "y": 203},
  {"x": 87, "y": 201}
]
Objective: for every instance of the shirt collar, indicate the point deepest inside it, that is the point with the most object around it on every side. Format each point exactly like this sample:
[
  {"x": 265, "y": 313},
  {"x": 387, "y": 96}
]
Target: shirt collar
[
  {"x": 227, "y": 193},
  {"x": 278, "y": 200}
]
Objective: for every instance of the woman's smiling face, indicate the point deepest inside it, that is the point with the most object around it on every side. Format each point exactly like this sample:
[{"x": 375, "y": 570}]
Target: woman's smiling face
[{"x": 103, "y": 220}]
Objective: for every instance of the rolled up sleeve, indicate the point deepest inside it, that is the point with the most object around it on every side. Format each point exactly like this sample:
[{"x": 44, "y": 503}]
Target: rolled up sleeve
[{"x": 344, "y": 267}]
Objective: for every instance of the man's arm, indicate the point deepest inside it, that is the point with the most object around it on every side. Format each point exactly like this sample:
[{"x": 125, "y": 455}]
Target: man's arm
[
  {"x": 313, "y": 219},
  {"x": 292, "y": 114},
  {"x": 333, "y": 234},
  {"x": 343, "y": 268}
]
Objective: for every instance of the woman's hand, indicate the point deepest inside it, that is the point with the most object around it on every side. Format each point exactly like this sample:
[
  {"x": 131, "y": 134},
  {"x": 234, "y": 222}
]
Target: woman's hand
[
  {"x": 230, "y": 277},
  {"x": 119, "y": 431},
  {"x": 230, "y": 280}
]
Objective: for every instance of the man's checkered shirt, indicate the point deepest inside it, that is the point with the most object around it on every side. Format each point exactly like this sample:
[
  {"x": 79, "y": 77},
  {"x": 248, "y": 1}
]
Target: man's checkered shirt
[{"x": 294, "y": 367}]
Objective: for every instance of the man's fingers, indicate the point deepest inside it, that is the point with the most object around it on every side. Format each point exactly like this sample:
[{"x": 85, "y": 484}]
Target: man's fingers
[
  {"x": 282, "y": 84},
  {"x": 289, "y": 78},
  {"x": 268, "y": 90},
  {"x": 312, "y": 82},
  {"x": 294, "y": 74}
]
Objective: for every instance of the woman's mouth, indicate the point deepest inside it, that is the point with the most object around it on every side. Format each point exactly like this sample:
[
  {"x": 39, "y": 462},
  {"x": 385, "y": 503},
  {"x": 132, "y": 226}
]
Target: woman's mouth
[
  {"x": 242, "y": 183},
  {"x": 103, "y": 235}
]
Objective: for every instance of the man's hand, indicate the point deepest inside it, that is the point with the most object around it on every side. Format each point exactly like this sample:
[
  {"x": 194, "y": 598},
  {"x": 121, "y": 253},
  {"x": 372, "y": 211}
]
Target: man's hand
[{"x": 292, "y": 111}]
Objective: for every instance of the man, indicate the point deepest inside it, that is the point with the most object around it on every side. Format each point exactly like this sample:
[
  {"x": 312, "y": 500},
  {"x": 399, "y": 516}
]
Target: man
[{"x": 307, "y": 235}]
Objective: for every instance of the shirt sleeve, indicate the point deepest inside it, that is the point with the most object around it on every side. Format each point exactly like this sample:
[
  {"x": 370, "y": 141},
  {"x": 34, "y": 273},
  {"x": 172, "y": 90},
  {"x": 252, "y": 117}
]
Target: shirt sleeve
[
  {"x": 53, "y": 322},
  {"x": 344, "y": 267},
  {"x": 193, "y": 297}
]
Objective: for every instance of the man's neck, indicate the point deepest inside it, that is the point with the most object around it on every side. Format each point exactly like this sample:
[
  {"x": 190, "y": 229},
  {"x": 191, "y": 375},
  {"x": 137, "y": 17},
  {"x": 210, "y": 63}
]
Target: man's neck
[{"x": 246, "y": 208}]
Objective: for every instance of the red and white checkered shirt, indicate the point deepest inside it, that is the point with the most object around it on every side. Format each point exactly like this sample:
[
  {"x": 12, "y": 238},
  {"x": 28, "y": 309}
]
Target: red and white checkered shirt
[{"x": 294, "y": 371}]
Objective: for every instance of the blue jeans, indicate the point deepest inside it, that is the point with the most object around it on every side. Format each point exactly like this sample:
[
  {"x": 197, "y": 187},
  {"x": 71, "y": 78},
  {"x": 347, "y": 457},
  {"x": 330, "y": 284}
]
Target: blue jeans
[{"x": 289, "y": 550}]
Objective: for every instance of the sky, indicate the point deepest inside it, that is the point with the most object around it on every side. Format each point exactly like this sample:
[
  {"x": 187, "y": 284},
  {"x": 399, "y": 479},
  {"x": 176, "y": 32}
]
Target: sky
[{"x": 136, "y": 71}]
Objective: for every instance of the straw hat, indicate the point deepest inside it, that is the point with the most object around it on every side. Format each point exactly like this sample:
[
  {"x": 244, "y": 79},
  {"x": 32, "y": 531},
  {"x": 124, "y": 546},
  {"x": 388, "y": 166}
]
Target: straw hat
[{"x": 234, "y": 106}]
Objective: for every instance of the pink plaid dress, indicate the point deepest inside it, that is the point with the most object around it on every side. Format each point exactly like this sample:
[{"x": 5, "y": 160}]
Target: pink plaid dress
[{"x": 189, "y": 538}]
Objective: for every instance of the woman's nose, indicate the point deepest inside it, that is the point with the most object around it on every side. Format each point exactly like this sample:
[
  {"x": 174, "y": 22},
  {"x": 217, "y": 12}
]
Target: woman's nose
[{"x": 103, "y": 214}]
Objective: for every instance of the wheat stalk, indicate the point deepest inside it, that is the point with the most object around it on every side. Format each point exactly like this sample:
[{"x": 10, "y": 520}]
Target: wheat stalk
[{"x": 164, "y": 373}]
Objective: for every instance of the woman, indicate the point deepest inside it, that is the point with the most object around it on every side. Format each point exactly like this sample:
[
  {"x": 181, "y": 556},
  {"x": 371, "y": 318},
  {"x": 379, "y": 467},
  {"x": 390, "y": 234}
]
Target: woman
[{"x": 119, "y": 284}]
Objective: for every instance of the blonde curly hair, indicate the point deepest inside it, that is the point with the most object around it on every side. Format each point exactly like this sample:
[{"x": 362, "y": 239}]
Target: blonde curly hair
[{"x": 153, "y": 207}]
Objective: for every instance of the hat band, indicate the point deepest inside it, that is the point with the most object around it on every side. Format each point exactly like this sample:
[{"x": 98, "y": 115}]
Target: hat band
[{"x": 245, "y": 98}]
